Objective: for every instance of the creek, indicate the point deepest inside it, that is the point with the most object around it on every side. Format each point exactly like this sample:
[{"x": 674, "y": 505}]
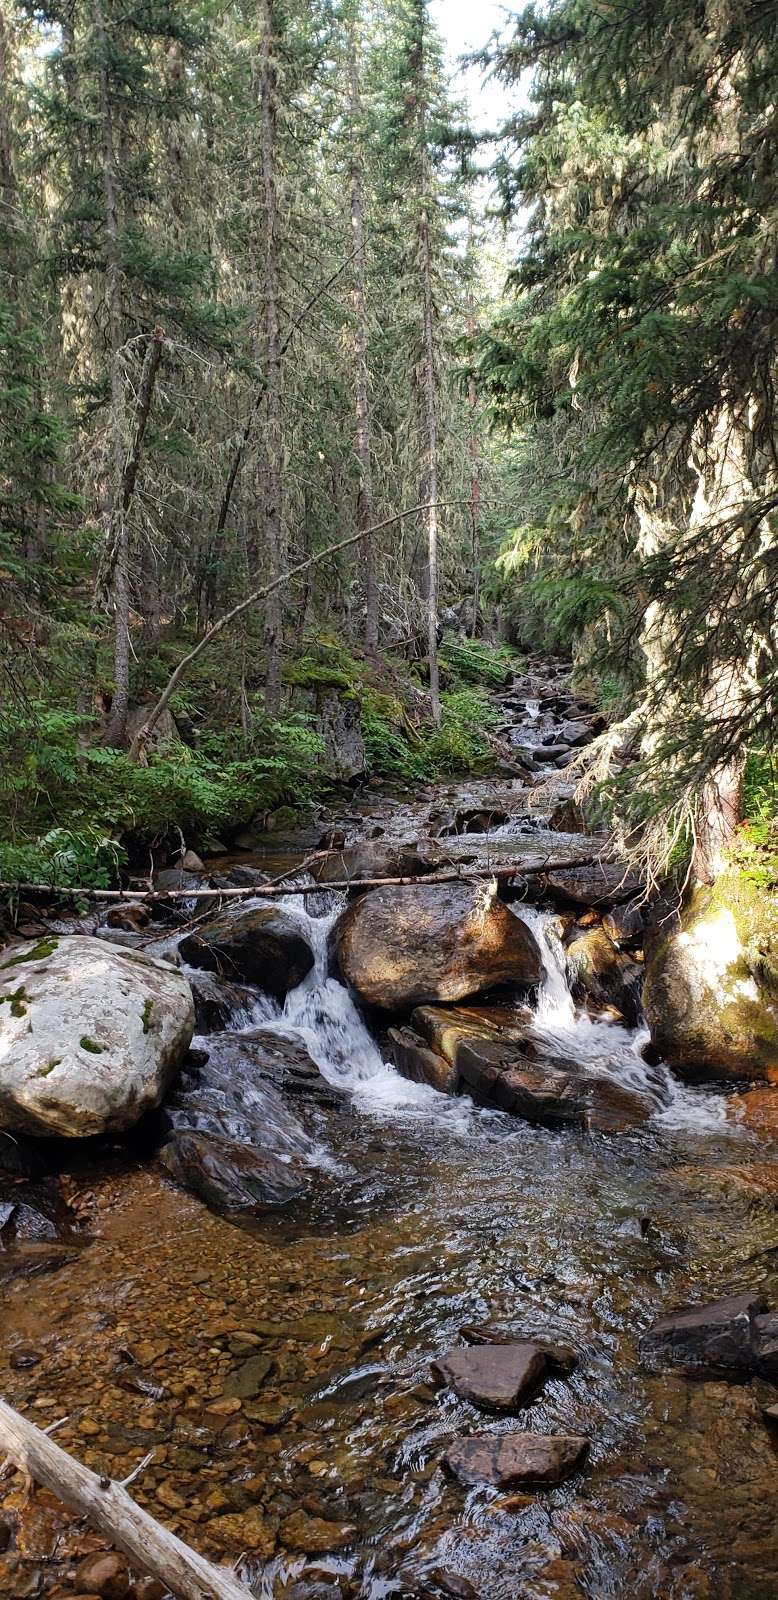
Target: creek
[{"x": 280, "y": 1371}]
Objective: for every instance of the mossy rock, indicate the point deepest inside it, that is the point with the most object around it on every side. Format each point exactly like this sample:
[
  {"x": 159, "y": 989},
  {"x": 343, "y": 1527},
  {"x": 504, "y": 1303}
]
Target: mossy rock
[{"x": 711, "y": 993}]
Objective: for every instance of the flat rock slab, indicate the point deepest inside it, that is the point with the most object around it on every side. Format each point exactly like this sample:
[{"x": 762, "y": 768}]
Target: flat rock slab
[
  {"x": 499, "y": 1377},
  {"x": 509, "y": 1460},
  {"x": 718, "y": 1338}
]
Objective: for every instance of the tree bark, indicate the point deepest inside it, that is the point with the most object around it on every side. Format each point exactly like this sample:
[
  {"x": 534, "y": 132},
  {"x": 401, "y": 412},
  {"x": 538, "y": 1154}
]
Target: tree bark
[
  {"x": 361, "y": 375},
  {"x": 273, "y": 508},
  {"x": 116, "y": 525},
  {"x": 475, "y": 481},
  {"x": 107, "y": 1506},
  {"x": 431, "y": 466}
]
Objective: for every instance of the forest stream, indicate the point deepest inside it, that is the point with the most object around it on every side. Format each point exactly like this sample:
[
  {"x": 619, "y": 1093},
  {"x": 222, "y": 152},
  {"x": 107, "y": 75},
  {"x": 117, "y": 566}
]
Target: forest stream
[{"x": 277, "y": 1373}]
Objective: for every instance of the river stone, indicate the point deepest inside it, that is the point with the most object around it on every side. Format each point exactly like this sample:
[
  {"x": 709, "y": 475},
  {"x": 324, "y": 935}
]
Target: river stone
[
  {"x": 560, "y": 1358},
  {"x": 416, "y": 1062},
  {"x": 91, "y": 1035},
  {"x": 247, "y": 1380},
  {"x": 362, "y": 862},
  {"x": 266, "y": 947},
  {"x": 509, "y": 1460},
  {"x": 399, "y": 948},
  {"x": 498, "y": 1377},
  {"x": 550, "y": 1093},
  {"x": 717, "y": 1338},
  {"x": 602, "y": 884},
  {"x": 601, "y": 973},
  {"x": 711, "y": 991},
  {"x": 230, "y": 1177}
]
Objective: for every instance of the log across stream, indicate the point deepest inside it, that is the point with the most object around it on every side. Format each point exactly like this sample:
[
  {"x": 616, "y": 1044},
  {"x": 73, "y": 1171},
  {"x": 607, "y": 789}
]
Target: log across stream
[{"x": 278, "y": 1373}]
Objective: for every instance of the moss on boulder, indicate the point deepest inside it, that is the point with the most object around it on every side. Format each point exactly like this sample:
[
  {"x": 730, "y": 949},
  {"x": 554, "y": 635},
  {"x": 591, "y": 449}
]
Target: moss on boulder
[{"x": 711, "y": 992}]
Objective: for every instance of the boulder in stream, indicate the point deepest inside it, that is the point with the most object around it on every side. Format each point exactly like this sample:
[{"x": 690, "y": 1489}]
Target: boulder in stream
[
  {"x": 379, "y": 859},
  {"x": 398, "y": 948},
  {"x": 711, "y": 991},
  {"x": 719, "y": 1338},
  {"x": 265, "y": 946},
  {"x": 602, "y": 884},
  {"x": 510, "y": 1460},
  {"x": 91, "y": 1035},
  {"x": 230, "y": 1177},
  {"x": 497, "y": 1377}
]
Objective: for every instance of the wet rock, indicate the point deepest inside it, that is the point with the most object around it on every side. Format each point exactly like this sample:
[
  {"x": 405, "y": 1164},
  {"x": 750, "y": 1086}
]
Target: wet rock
[
  {"x": 268, "y": 1056},
  {"x": 719, "y": 1338},
  {"x": 266, "y": 947},
  {"x": 447, "y": 1028},
  {"x": 711, "y": 993},
  {"x": 90, "y": 1036},
  {"x": 576, "y": 734},
  {"x": 553, "y": 1094},
  {"x": 130, "y": 918},
  {"x": 238, "y": 878},
  {"x": 454, "y": 1585},
  {"x": 602, "y": 884},
  {"x": 173, "y": 878},
  {"x": 415, "y": 1061},
  {"x": 765, "y": 1345},
  {"x": 568, "y": 817},
  {"x": 315, "y": 1536},
  {"x": 625, "y": 925},
  {"x": 363, "y": 862},
  {"x": 476, "y": 819},
  {"x": 104, "y": 1574},
  {"x": 229, "y": 1177},
  {"x": 758, "y": 1109},
  {"x": 497, "y": 1377},
  {"x": 339, "y": 726},
  {"x": 219, "y": 1004},
  {"x": 601, "y": 973},
  {"x": 247, "y": 1380},
  {"x": 191, "y": 862},
  {"x": 510, "y": 1460},
  {"x": 560, "y": 1358},
  {"x": 399, "y": 948}
]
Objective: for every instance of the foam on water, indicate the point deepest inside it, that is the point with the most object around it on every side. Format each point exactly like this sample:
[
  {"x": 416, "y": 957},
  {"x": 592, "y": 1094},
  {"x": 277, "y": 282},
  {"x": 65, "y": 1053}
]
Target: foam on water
[{"x": 604, "y": 1045}]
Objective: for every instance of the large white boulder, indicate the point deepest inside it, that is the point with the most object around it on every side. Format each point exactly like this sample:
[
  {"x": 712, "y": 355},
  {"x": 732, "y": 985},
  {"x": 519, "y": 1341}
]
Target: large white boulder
[{"x": 90, "y": 1035}]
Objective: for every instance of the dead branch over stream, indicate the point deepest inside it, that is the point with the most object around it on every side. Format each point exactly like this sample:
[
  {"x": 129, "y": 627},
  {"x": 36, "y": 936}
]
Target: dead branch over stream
[
  {"x": 503, "y": 874},
  {"x": 109, "y": 1508}
]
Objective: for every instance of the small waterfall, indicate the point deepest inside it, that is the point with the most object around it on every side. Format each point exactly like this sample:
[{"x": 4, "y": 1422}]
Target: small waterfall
[{"x": 604, "y": 1045}]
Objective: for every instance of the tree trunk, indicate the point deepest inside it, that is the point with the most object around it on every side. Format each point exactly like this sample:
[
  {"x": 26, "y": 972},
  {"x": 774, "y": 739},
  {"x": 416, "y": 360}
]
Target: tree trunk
[
  {"x": 361, "y": 376},
  {"x": 475, "y": 482},
  {"x": 116, "y": 524},
  {"x": 152, "y": 1548},
  {"x": 273, "y": 510},
  {"x": 430, "y": 452}
]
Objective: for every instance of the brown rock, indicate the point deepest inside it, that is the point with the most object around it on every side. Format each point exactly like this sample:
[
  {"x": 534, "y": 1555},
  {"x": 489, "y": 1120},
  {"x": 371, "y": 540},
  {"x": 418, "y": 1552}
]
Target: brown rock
[
  {"x": 604, "y": 884},
  {"x": 266, "y": 947},
  {"x": 105, "y": 1574},
  {"x": 313, "y": 1535},
  {"x": 399, "y": 948},
  {"x": 245, "y": 1530},
  {"x": 551, "y": 1093},
  {"x": 498, "y": 1377},
  {"x": 560, "y": 1358},
  {"x": 416, "y": 1062},
  {"x": 511, "y": 1459}
]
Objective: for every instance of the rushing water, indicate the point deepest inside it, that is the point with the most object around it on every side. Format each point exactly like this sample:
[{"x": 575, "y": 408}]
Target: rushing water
[{"x": 427, "y": 1213}]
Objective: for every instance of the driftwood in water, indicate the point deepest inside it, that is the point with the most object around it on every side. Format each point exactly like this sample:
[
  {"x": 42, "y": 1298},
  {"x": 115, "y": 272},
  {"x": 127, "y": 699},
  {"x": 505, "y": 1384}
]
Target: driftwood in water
[
  {"x": 108, "y": 1507},
  {"x": 502, "y": 874}
]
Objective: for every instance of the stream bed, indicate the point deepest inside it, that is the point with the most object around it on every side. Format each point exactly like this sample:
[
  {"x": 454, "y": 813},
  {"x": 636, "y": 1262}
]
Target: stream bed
[{"x": 277, "y": 1374}]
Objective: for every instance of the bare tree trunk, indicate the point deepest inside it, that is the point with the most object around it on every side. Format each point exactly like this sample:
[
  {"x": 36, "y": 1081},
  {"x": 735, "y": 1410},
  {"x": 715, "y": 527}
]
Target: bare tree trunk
[
  {"x": 109, "y": 1508},
  {"x": 431, "y": 466},
  {"x": 273, "y": 517},
  {"x": 361, "y": 376},
  {"x": 475, "y": 482},
  {"x": 116, "y": 524}
]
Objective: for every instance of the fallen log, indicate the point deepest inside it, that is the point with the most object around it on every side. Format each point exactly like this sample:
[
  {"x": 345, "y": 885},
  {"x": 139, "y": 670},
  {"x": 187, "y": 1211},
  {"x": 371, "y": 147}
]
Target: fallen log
[
  {"x": 503, "y": 874},
  {"x": 109, "y": 1508}
]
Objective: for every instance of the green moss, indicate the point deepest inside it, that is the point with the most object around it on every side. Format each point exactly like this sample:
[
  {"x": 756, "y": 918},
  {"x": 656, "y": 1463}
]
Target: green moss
[
  {"x": 44, "y": 947},
  {"x": 16, "y": 1001},
  {"x": 89, "y": 1044},
  {"x": 148, "y": 1007}
]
